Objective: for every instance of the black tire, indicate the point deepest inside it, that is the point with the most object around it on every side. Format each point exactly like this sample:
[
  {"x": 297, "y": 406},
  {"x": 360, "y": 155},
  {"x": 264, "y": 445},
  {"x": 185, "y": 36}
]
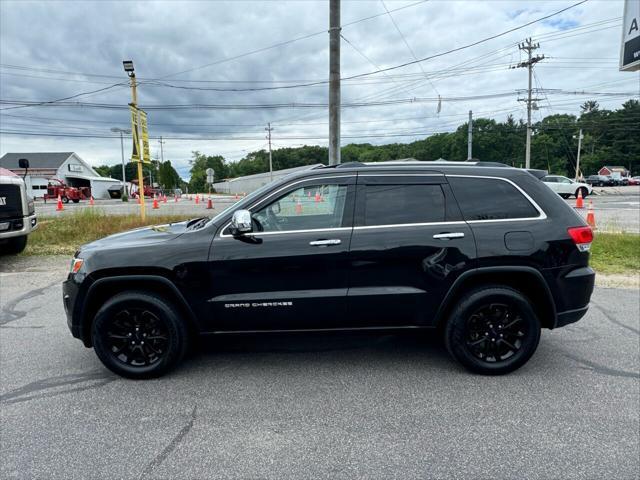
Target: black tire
[
  {"x": 471, "y": 341},
  {"x": 565, "y": 195},
  {"x": 65, "y": 200},
  {"x": 585, "y": 192},
  {"x": 13, "y": 245},
  {"x": 150, "y": 318},
  {"x": 75, "y": 200}
]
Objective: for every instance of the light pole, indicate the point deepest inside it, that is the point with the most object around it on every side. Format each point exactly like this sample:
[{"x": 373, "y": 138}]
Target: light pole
[
  {"x": 122, "y": 131},
  {"x": 128, "y": 67}
]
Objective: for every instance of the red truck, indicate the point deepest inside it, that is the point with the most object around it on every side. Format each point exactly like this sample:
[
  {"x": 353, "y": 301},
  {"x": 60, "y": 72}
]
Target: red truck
[{"x": 58, "y": 187}]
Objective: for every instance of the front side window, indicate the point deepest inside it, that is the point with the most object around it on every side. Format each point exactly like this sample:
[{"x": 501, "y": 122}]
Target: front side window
[
  {"x": 403, "y": 204},
  {"x": 306, "y": 208},
  {"x": 490, "y": 199}
]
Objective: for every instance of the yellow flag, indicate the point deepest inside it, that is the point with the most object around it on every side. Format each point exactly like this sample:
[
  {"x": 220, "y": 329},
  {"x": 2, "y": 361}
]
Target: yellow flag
[
  {"x": 146, "y": 155},
  {"x": 135, "y": 152}
]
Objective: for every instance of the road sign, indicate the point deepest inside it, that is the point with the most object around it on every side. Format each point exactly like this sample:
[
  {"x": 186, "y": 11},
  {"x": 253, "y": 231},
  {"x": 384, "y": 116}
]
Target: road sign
[
  {"x": 210, "y": 172},
  {"x": 630, "y": 48}
]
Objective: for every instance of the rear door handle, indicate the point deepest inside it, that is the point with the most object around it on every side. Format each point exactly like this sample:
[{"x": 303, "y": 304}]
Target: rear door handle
[
  {"x": 447, "y": 236},
  {"x": 325, "y": 243}
]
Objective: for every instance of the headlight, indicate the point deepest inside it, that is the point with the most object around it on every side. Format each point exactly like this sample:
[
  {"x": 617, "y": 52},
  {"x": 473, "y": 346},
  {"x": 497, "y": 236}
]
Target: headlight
[
  {"x": 76, "y": 265},
  {"x": 31, "y": 206}
]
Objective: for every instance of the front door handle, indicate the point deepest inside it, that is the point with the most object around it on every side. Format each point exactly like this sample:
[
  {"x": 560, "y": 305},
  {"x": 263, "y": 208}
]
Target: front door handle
[
  {"x": 324, "y": 243},
  {"x": 447, "y": 236}
]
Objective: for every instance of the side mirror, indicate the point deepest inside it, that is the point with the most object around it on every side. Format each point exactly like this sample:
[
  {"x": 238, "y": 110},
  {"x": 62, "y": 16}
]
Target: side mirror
[
  {"x": 241, "y": 222},
  {"x": 23, "y": 163}
]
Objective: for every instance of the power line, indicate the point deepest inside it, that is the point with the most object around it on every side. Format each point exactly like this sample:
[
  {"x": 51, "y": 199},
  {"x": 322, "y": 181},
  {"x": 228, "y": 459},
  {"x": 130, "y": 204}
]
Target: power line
[
  {"x": 404, "y": 39},
  {"x": 281, "y": 44},
  {"x": 50, "y": 102}
]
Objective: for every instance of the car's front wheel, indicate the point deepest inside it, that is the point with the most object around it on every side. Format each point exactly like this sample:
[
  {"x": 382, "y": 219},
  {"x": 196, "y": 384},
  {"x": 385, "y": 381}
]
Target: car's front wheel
[
  {"x": 493, "y": 330},
  {"x": 13, "y": 245},
  {"x": 139, "y": 335},
  {"x": 584, "y": 191}
]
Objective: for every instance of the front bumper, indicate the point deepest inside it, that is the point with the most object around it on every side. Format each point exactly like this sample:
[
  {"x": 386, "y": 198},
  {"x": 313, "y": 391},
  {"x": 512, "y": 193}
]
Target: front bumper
[
  {"x": 69, "y": 299},
  {"x": 19, "y": 226}
]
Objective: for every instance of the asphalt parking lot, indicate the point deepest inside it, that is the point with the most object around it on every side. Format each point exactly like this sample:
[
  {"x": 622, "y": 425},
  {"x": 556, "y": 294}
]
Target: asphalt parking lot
[{"x": 338, "y": 406}]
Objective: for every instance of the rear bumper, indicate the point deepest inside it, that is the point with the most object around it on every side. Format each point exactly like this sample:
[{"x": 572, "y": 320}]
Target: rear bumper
[
  {"x": 576, "y": 288},
  {"x": 571, "y": 316}
]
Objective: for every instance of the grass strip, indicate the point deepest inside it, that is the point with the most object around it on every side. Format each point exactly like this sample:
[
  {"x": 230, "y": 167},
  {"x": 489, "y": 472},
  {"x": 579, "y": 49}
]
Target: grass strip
[{"x": 64, "y": 234}]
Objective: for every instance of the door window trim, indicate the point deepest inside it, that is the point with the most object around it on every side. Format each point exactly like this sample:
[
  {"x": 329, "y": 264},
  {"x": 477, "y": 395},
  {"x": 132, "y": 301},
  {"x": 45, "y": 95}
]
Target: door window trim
[
  {"x": 285, "y": 187},
  {"x": 541, "y": 214}
]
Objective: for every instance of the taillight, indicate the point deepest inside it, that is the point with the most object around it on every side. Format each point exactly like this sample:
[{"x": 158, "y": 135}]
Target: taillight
[{"x": 582, "y": 237}]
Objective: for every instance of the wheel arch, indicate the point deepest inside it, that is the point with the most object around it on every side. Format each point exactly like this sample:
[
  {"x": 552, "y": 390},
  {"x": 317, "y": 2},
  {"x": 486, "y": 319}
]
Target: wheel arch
[
  {"x": 104, "y": 288},
  {"x": 526, "y": 280}
]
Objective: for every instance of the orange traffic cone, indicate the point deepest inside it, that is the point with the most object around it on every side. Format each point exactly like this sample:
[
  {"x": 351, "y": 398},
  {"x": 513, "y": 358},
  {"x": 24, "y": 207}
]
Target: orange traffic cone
[
  {"x": 91, "y": 202},
  {"x": 197, "y": 199},
  {"x": 164, "y": 198},
  {"x": 209, "y": 204},
  {"x": 317, "y": 198},
  {"x": 155, "y": 202},
  {"x": 591, "y": 217},
  {"x": 298, "y": 208},
  {"x": 237, "y": 197},
  {"x": 59, "y": 207},
  {"x": 579, "y": 201},
  {"x": 309, "y": 194},
  {"x": 176, "y": 198}
]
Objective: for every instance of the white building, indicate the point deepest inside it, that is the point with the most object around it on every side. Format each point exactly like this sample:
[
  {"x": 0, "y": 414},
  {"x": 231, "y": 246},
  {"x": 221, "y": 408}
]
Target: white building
[
  {"x": 65, "y": 166},
  {"x": 249, "y": 183}
]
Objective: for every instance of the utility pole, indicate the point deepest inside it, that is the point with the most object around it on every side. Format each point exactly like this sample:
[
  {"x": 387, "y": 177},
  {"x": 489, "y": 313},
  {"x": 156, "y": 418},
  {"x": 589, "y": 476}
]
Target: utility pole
[
  {"x": 578, "y": 157},
  {"x": 128, "y": 67},
  {"x": 334, "y": 82},
  {"x": 268, "y": 129},
  {"x": 470, "y": 137},
  {"x": 161, "y": 142},
  {"x": 529, "y": 47}
]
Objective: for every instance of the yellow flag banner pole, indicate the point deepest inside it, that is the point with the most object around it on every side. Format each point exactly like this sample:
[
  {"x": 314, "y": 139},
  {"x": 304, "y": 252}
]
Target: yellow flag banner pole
[{"x": 135, "y": 155}]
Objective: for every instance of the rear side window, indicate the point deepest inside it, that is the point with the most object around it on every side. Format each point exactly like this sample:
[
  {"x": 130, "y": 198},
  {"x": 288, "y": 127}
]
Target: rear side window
[
  {"x": 490, "y": 199},
  {"x": 400, "y": 204}
]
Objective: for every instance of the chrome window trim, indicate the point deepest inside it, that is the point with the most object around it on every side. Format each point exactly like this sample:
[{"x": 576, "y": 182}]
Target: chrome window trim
[
  {"x": 541, "y": 214},
  {"x": 402, "y": 225},
  {"x": 284, "y": 187},
  {"x": 402, "y": 175}
]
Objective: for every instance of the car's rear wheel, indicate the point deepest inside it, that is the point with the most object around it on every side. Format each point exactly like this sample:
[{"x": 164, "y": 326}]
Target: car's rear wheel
[
  {"x": 65, "y": 200},
  {"x": 139, "y": 335},
  {"x": 493, "y": 330}
]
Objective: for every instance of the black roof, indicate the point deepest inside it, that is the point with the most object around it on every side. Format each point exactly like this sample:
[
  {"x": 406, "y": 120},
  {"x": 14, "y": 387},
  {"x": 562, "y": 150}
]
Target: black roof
[
  {"x": 36, "y": 159},
  {"x": 445, "y": 166}
]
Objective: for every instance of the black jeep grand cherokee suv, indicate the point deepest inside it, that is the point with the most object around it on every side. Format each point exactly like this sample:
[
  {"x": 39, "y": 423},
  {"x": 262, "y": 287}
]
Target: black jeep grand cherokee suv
[{"x": 484, "y": 252}]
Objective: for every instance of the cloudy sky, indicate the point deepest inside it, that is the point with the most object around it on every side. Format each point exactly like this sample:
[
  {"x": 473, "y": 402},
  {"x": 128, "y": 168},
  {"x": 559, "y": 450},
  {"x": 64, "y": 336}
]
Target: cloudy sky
[{"x": 197, "y": 55}]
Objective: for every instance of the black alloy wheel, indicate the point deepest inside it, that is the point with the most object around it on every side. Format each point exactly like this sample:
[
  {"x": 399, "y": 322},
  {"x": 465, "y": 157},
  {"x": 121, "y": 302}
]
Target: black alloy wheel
[
  {"x": 139, "y": 335},
  {"x": 494, "y": 330}
]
